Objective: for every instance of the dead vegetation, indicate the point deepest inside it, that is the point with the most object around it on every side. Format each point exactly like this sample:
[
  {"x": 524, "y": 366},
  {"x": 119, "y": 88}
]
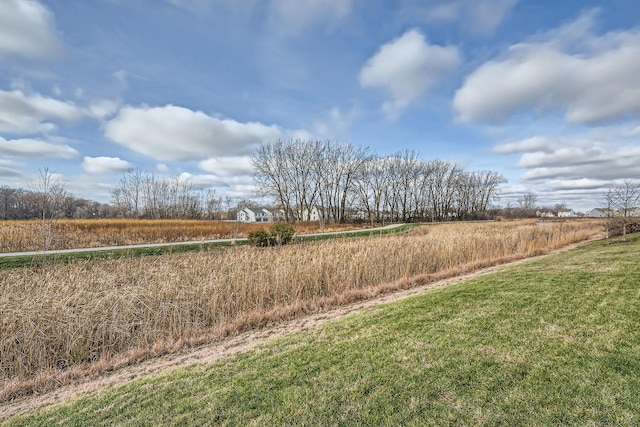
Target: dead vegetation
[
  {"x": 23, "y": 236},
  {"x": 66, "y": 320}
]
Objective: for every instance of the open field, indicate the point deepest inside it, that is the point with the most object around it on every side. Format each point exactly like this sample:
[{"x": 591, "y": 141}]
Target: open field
[
  {"x": 551, "y": 341},
  {"x": 70, "y": 320},
  {"x": 23, "y": 236}
]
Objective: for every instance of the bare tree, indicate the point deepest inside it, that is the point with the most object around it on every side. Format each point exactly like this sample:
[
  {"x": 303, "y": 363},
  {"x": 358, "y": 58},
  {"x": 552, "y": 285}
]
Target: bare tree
[
  {"x": 442, "y": 186},
  {"x": 128, "y": 196},
  {"x": 212, "y": 204},
  {"x": 271, "y": 174},
  {"x": 9, "y": 201},
  {"x": 50, "y": 194},
  {"x": 337, "y": 170},
  {"x": 371, "y": 186},
  {"x": 527, "y": 203},
  {"x": 625, "y": 199}
]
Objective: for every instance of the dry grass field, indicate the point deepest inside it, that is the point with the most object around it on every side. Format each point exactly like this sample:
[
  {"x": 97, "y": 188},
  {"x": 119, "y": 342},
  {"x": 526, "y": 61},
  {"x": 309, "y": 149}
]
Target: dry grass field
[
  {"x": 22, "y": 236},
  {"x": 89, "y": 315}
]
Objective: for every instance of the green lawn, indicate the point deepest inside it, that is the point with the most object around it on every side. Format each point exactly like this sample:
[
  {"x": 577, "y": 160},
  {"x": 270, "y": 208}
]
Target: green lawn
[{"x": 553, "y": 341}]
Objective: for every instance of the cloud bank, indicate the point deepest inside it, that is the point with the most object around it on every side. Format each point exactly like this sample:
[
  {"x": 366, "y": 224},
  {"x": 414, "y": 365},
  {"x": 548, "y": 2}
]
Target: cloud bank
[{"x": 173, "y": 133}]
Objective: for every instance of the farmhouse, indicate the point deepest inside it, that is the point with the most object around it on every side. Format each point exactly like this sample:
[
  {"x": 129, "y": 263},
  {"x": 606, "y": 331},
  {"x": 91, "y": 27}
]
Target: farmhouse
[{"x": 249, "y": 215}]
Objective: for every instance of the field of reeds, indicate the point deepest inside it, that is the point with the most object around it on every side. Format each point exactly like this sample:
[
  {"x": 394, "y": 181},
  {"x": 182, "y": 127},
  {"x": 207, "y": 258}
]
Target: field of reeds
[
  {"x": 34, "y": 235},
  {"x": 55, "y": 318}
]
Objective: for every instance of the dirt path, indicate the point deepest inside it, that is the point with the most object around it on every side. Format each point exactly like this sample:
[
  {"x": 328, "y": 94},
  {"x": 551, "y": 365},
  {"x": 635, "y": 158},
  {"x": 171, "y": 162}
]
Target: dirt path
[{"x": 241, "y": 343}]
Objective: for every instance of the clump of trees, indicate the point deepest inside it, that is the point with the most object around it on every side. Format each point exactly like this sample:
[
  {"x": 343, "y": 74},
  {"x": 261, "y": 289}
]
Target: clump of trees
[
  {"x": 47, "y": 199},
  {"x": 278, "y": 234},
  {"x": 345, "y": 182},
  {"x": 623, "y": 203},
  {"x": 141, "y": 194}
]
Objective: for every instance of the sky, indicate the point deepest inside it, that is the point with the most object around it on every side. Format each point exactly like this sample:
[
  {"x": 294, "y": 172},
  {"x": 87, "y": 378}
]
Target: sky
[{"x": 545, "y": 92}]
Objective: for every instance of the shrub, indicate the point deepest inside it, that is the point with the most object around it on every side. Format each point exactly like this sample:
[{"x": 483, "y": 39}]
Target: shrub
[
  {"x": 282, "y": 233},
  {"x": 259, "y": 238},
  {"x": 279, "y": 234}
]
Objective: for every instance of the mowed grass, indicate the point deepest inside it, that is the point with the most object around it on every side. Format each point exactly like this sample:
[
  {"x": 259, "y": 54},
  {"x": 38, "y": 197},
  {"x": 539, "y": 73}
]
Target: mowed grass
[{"x": 552, "y": 341}]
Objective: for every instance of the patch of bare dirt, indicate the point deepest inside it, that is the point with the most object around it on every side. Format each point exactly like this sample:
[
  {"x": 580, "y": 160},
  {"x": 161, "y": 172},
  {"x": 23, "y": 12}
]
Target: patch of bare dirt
[{"x": 243, "y": 342}]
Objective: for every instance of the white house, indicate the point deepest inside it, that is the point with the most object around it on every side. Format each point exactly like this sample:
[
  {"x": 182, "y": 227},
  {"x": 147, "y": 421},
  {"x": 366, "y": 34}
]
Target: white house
[
  {"x": 545, "y": 214},
  {"x": 313, "y": 216},
  {"x": 254, "y": 215},
  {"x": 566, "y": 213}
]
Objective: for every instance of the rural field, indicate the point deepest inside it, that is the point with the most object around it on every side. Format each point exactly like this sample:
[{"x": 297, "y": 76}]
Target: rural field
[
  {"x": 66, "y": 321},
  {"x": 549, "y": 341},
  {"x": 34, "y": 235}
]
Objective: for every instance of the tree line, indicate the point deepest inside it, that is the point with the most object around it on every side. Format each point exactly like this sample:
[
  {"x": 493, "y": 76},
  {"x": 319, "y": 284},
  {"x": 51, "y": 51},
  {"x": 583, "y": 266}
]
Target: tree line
[
  {"x": 345, "y": 182},
  {"x": 141, "y": 194},
  {"x": 47, "y": 199}
]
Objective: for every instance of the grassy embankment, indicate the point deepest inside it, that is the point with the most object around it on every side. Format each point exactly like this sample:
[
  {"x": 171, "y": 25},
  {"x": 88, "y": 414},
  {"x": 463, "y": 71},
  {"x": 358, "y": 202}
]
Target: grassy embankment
[
  {"x": 67, "y": 321},
  {"x": 552, "y": 341}
]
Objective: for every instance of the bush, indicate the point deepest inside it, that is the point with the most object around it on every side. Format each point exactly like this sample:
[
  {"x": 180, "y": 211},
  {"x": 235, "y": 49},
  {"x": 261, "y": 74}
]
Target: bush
[
  {"x": 279, "y": 233},
  {"x": 259, "y": 238},
  {"x": 282, "y": 233}
]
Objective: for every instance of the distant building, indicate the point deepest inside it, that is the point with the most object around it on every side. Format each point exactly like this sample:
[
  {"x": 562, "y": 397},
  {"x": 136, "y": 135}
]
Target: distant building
[
  {"x": 250, "y": 215},
  {"x": 545, "y": 214},
  {"x": 566, "y": 213},
  {"x": 314, "y": 215},
  {"x": 601, "y": 213}
]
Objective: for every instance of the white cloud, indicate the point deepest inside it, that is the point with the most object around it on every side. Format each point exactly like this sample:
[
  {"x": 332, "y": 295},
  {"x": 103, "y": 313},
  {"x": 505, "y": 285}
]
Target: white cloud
[
  {"x": 232, "y": 186},
  {"x": 9, "y": 173},
  {"x": 406, "y": 68},
  {"x": 290, "y": 17},
  {"x": 592, "y": 79},
  {"x": 574, "y": 159},
  {"x": 536, "y": 143},
  {"x": 475, "y": 16},
  {"x": 335, "y": 122},
  {"x": 227, "y": 166},
  {"x": 35, "y": 148},
  {"x": 27, "y": 29},
  {"x": 28, "y": 114},
  {"x": 173, "y": 133},
  {"x": 105, "y": 165},
  {"x": 162, "y": 168},
  {"x": 102, "y": 108},
  {"x": 635, "y": 131}
]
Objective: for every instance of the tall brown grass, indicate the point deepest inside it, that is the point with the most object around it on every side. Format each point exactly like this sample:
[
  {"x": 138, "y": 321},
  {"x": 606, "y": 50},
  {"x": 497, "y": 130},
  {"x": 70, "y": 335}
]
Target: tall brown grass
[
  {"x": 22, "y": 236},
  {"x": 91, "y": 311}
]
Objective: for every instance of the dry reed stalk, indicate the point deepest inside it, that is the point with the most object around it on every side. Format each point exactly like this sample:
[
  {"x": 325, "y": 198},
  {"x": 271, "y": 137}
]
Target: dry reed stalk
[
  {"x": 94, "y": 311},
  {"x": 21, "y": 236}
]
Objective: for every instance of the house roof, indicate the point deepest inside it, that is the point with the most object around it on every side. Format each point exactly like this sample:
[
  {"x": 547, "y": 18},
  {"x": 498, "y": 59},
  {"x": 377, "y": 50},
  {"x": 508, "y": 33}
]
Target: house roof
[{"x": 257, "y": 211}]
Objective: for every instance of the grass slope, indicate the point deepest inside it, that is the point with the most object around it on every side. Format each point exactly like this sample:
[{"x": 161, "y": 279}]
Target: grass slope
[{"x": 553, "y": 341}]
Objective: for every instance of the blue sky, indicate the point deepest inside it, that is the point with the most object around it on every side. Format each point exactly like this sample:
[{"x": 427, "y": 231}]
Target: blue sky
[{"x": 545, "y": 92}]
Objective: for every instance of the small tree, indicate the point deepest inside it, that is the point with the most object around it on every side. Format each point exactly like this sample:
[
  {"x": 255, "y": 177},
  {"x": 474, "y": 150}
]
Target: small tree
[
  {"x": 527, "y": 203},
  {"x": 625, "y": 199}
]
